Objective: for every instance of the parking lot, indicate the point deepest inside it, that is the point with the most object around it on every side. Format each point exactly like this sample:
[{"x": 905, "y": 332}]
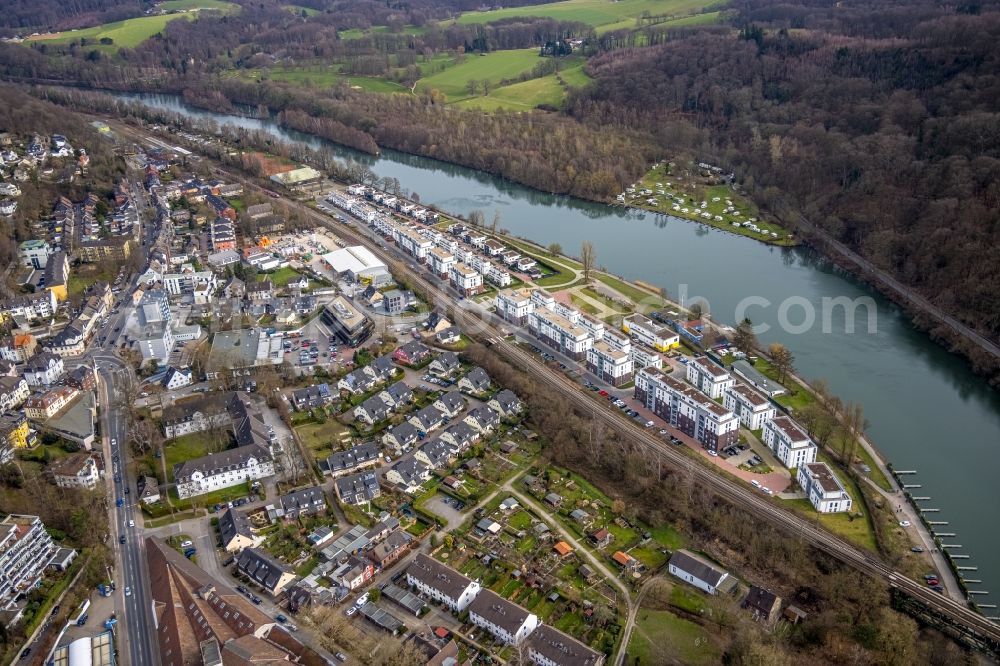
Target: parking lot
[{"x": 448, "y": 508}]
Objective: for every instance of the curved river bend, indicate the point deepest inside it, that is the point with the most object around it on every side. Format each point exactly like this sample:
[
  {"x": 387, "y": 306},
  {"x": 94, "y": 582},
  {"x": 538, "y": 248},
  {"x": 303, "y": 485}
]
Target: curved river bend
[{"x": 926, "y": 410}]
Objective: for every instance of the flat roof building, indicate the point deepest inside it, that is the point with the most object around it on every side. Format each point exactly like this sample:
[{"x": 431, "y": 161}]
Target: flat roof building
[{"x": 347, "y": 322}]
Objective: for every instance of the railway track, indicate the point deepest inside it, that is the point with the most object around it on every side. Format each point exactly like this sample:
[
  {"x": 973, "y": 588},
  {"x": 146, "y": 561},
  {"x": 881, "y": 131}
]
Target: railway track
[{"x": 974, "y": 626}]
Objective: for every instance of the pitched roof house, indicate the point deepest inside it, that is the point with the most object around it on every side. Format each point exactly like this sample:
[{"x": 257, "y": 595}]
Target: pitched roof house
[{"x": 263, "y": 569}]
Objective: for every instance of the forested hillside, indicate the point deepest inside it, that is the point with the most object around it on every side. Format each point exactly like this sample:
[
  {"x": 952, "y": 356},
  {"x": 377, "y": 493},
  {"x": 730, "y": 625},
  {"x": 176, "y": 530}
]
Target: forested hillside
[
  {"x": 878, "y": 122},
  {"x": 65, "y": 14}
]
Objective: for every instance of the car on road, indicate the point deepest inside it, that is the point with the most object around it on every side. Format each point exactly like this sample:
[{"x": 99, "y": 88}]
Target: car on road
[
  {"x": 131, "y": 523},
  {"x": 904, "y": 523},
  {"x": 128, "y": 591},
  {"x": 649, "y": 424},
  {"x": 755, "y": 483},
  {"x": 119, "y": 502},
  {"x": 25, "y": 653},
  {"x": 126, "y": 490},
  {"x": 281, "y": 618},
  {"x": 121, "y": 539}
]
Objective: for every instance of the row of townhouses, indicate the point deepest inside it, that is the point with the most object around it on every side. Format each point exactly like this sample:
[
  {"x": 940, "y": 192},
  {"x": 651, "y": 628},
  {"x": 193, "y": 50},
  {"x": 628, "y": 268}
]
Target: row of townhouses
[{"x": 504, "y": 620}]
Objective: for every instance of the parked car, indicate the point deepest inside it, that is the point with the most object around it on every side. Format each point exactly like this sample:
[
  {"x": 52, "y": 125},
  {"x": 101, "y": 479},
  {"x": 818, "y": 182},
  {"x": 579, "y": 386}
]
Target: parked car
[
  {"x": 340, "y": 656},
  {"x": 904, "y": 523}
]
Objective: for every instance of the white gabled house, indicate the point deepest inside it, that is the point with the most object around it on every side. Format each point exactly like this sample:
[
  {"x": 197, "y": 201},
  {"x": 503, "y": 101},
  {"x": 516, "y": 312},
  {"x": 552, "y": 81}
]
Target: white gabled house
[
  {"x": 697, "y": 571},
  {"x": 506, "y": 621},
  {"x": 441, "y": 583}
]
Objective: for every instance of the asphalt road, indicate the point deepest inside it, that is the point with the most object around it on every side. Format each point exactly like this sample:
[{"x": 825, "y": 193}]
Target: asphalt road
[{"x": 137, "y": 637}]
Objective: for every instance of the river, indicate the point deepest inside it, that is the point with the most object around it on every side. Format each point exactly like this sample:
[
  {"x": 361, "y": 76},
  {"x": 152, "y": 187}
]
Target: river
[{"x": 926, "y": 410}]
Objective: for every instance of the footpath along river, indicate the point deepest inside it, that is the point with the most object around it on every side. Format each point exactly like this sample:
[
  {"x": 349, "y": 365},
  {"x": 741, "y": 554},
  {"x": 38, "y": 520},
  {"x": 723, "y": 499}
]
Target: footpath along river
[{"x": 926, "y": 410}]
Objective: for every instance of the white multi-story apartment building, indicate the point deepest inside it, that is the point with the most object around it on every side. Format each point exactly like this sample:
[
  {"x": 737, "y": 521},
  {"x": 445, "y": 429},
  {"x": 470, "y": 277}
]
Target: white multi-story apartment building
[
  {"x": 25, "y": 550},
  {"x": 507, "y": 621},
  {"x": 412, "y": 243},
  {"x": 543, "y": 299},
  {"x": 13, "y": 392},
  {"x": 45, "y": 405},
  {"x": 441, "y": 583},
  {"x": 222, "y": 470},
  {"x": 687, "y": 409},
  {"x": 498, "y": 275},
  {"x": 643, "y": 357},
  {"x": 645, "y": 330},
  {"x": 43, "y": 369},
  {"x": 560, "y": 334},
  {"x": 592, "y": 325},
  {"x": 709, "y": 378},
  {"x": 185, "y": 282},
  {"x": 547, "y": 646},
  {"x": 752, "y": 407},
  {"x": 441, "y": 261},
  {"x": 35, "y": 253},
  {"x": 617, "y": 340},
  {"x": 514, "y": 305},
  {"x": 466, "y": 279},
  {"x": 823, "y": 488},
  {"x": 567, "y": 312},
  {"x": 610, "y": 365},
  {"x": 789, "y": 442}
]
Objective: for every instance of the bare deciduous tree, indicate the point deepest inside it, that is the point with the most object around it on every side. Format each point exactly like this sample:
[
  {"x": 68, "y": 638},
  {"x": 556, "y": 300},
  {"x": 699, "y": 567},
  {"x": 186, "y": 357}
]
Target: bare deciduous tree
[{"x": 588, "y": 257}]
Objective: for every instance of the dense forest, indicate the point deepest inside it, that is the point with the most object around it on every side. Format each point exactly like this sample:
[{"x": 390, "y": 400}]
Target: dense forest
[
  {"x": 65, "y": 14},
  {"x": 876, "y": 122}
]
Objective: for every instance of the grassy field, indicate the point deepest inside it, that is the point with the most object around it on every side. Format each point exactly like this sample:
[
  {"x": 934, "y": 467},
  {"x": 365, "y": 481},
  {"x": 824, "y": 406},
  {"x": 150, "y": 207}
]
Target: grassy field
[
  {"x": 187, "y": 5},
  {"x": 593, "y": 12},
  {"x": 522, "y": 96},
  {"x": 492, "y": 67},
  {"x": 298, "y": 9},
  {"x": 134, "y": 31},
  {"x": 323, "y": 76},
  {"x": 679, "y": 22},
  {"x": 187, "y": 448},
  {"x": 280, "y": 277},
  {"x": 662, "y": 637},
  {"x": 323, "y": 438},
  {"x": 575, "y": 77}
]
